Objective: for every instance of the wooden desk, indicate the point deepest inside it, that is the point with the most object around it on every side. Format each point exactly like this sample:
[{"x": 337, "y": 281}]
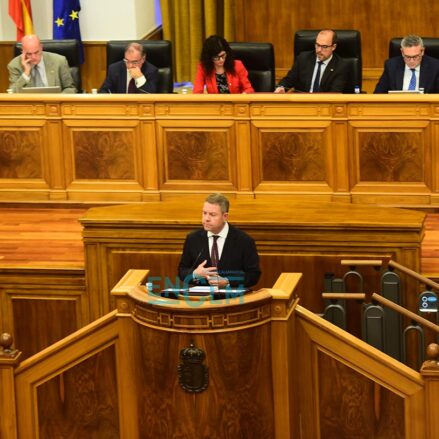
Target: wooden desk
[
  {"x": 323, "y": 147},
  {"x": 310, "y": 238}
]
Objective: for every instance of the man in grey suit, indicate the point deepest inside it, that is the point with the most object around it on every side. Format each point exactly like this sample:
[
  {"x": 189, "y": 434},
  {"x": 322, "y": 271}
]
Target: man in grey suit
[
  {"x": 35, "y": 68},
  {"x": 320, "y": 70}
]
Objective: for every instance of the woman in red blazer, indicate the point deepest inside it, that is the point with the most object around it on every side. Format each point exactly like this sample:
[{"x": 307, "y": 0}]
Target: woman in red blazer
[{"x": 218, "y": 71}]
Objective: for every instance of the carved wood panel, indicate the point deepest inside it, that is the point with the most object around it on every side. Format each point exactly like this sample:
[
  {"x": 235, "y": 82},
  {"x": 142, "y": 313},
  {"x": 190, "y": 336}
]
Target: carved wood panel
[
  {"x": 293, "y": 156},
  {"x": 352, "y": 405},
  {"x": 81, "y": 402},
  {"x": 391, "y": 156},
  {"x": 20, "y": 154},
  {"x": 104, "y": 155},
  {"x": 239, "y": 396},
  {"x": 197, "y": 155}
]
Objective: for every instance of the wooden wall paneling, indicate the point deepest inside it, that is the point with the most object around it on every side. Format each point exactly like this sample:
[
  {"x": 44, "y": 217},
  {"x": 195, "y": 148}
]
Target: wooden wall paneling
[
  {"x": 25, "y": 157},
  {"x": 293, "y": 157},
  {"x": 340, "y": 159},
  {"x": 367, "y": 363},
  {"x": 47, "y": 303},
  {"x": 243, "y": 158},
  {"x": 292, "y": 15},
  {"x": 82, "y": 401},
  {"x": 200, "y": 156},
  {"x": 6, "y": 54},
  {"x": 390, "y": 155},
  {"x": 435, "y": 158},
  {"x": 372, "y": 408},
  {"x": 98, "y": 303},
  {"x": 89, "y": 398},
  {"x": 149, "y": 160},
  {"x": 94, "y": 69},
  {"x": 103, "y": 156}
]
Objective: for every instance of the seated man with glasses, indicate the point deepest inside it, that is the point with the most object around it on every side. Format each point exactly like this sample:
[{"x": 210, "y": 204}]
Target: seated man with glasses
[
  {"x": 411, "y": 71},
  {"x": 316, "y": 71},
  {"x": 36, "y": 68},
  {"x": 133, "y": 74}
]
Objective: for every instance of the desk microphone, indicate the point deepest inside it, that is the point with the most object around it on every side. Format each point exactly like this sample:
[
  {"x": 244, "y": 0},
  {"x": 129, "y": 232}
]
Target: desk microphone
[
  {"x": 196, "y": 259},
  {"x": 143, "y": 91}
]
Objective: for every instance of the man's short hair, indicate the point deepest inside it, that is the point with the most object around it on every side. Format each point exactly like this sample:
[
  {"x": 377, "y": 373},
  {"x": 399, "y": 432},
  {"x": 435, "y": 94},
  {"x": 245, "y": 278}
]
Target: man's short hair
[
  {"x": 334, "y": 35},
  {"x": 411, "y": 41},
  {"x": 135, "y": 47},
  {"x": 219, "y": 199}
]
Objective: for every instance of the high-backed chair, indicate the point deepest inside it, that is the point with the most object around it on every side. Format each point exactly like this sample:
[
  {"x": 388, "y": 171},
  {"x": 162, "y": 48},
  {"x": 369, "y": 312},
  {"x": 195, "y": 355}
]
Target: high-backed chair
[
  {"x": 348, "y": 48},
  {"x": 158, "y": 53},
  {"x": 68, "y": 48},
  {"x": 258, "y": 59},
  {"x": 431, "y": 47}
]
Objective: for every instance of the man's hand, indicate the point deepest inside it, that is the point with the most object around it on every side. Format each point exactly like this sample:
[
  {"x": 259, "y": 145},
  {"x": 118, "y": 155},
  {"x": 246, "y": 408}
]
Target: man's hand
[
  {"x": 135, "y": 72},
  {"x": 203, "y": 272},
  {"x": 217, "y": 281},
  {"x": 26, "y": 64},
  {"x": 279, "y": 90}
]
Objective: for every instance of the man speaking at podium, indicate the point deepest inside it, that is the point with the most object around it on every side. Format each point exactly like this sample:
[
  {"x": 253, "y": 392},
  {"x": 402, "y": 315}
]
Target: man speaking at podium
[{"x": 219, "y": 254}]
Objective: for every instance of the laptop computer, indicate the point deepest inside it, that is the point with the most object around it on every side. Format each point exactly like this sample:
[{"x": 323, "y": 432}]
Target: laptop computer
[
  {"x": 404, "y": 92},
  {"x": 50, "y": 89}
]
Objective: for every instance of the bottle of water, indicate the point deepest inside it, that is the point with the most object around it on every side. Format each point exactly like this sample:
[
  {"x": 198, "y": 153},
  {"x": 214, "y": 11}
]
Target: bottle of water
[{"x": 357, "y": 90}]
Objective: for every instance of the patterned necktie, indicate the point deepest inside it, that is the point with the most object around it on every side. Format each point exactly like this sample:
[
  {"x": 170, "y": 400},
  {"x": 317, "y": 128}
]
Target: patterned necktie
[
  {"x": 37, "y": 77},
  {"x": 316, "y": 85},
  {"x": 132, "y": 86},
  {"x": 412, "y": 84},
  {"x": 214, "y": 255}
]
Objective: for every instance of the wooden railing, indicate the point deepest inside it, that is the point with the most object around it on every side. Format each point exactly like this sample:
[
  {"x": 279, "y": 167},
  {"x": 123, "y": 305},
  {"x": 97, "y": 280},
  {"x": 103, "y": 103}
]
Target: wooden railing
[
  {"x": 326, "y": 382},
  {"x": 393, "y": 316}
]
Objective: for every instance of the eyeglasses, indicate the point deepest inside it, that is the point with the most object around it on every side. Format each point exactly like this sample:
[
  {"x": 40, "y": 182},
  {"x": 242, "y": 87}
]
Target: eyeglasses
[
  {"x": 322, "y": 46},
  {"x": 219, "y": 57},
  {"x": 133, "y": 63},
  {"x": 413, "y": 57}
]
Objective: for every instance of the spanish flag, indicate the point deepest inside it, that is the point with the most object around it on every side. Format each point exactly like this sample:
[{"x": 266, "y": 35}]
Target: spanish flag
[{"x": 21, "y": 13}]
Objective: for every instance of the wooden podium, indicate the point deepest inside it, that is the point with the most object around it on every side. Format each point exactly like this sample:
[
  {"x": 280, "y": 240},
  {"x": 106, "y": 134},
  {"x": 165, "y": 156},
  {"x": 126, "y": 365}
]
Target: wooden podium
[{"x": 212, "y": 368}]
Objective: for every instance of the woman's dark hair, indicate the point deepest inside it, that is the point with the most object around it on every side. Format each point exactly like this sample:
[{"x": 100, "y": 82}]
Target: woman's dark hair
[{"x": 211, "y": 47}]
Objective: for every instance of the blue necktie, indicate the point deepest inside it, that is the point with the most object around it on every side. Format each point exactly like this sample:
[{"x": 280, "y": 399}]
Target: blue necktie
[
  {"x": 412, "y": 83},
  {"x": 316, "y": 85}
]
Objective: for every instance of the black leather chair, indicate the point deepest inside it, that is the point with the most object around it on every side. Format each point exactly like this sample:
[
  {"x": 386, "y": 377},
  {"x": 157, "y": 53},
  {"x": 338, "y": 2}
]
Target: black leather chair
[
  {"x": 68, "y": 48},
  {"x": 348, "y": 47},
  {"x": 158, "y": 53},
  {"x": 258, "y": 59},
  {"x": 431, "y": 47}
]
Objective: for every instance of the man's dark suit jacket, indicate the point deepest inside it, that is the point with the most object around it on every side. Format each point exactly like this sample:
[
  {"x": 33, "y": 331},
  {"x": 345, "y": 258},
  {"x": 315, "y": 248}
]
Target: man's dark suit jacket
[
  {"x": 393, "y": 75},
  {"x": 116, "y": 80},
  {"x": 239, "y": 260},
  {"x": 334, "y": 78}
]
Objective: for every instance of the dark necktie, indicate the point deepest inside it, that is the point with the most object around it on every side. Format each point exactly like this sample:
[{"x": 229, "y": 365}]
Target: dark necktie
[
  {"x": 316, "y": 85},
  {"x": 37, "y": 77},
  {"x": 214, "y": 255},
  {"x": 132, "y": 86},
  {"x": 412, "y": 83}
]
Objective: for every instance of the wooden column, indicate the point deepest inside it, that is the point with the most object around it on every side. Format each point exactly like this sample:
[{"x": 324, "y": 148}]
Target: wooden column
[
  {"x": 430, "y": 373},
  {"x": 9, "y": 359}
]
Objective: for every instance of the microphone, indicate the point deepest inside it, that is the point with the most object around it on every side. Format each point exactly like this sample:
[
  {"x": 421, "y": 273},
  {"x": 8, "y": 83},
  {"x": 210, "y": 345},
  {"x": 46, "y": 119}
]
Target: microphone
[
  {"x": 144, "y": 91},
  {"x": 196, "y": 259}
]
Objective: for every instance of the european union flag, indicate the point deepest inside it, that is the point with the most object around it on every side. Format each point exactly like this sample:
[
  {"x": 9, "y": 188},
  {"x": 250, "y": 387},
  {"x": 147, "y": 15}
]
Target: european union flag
[{"x": 66, "y": 21}]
